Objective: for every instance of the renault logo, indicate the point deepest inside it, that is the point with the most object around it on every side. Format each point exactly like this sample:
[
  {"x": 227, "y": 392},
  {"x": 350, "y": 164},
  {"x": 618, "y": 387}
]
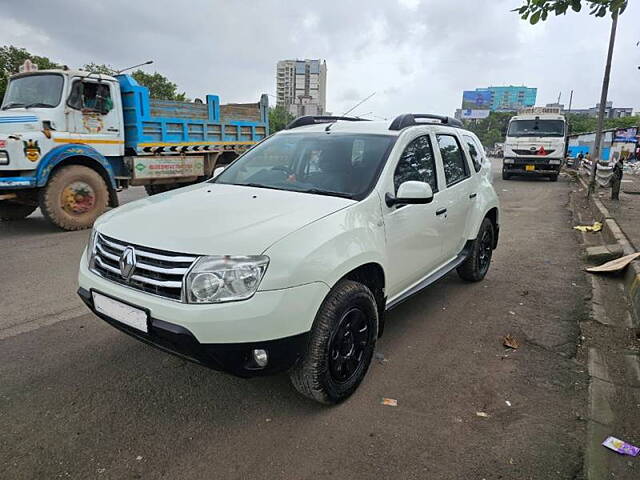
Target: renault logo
[{"x": 127, "y": 263}]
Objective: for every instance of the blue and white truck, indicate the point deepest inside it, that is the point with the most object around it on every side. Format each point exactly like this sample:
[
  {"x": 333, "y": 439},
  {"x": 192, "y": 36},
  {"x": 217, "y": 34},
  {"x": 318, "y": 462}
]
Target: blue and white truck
[{"x": 70, "y": 140}]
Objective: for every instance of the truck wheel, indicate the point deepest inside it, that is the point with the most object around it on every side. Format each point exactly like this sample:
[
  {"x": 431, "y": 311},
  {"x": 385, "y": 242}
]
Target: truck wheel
[
  {"x": 553, "y": 178},
  {"x": 505, "y": 175},
  {"x": 74, "y": 197},
  {"x": 476, "y": 266},
  {"x": 341, "y": 345},
  {"x": 15, "y": 211}
]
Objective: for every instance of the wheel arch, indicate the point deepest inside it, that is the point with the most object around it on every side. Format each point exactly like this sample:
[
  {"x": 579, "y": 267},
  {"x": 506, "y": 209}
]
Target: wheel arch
[
  {"x": 493, "y": 215},
  {"x": 372, "y": 276},
  {"x": 77, "y": 154}
]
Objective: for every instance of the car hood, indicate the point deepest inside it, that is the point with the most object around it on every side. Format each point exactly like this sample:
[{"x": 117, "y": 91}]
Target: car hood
[{"x": 216, "y": 219}]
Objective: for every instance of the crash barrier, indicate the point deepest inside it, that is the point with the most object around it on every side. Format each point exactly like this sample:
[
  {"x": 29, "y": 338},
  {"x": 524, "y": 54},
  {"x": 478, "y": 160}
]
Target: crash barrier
[{"x": 604, "y": 172}]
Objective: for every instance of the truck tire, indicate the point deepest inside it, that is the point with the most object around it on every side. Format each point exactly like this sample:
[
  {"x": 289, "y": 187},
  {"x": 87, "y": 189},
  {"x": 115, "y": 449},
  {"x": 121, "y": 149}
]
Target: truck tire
[
  {"x": 15, "y": 211},
  {"x": 476, "y": 266},
  {"x": 341, "y": 345},
  {"x": 74, "y": 197},
  {"x": 155, "y": 189},
  {"x": 553, "y": 178},
  {"x": 505, "y": 175}
]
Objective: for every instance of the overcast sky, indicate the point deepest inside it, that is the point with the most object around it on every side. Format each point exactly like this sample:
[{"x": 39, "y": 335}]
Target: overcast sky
[{"x": 418, "y": 55}]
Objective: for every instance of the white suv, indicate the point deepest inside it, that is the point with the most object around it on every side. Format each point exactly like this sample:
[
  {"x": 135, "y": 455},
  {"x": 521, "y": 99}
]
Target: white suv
[{"x": 289, "y": 258}]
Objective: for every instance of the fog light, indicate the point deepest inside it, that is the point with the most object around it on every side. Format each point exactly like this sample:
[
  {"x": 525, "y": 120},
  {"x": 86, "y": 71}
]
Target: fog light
[{"x": 261, "y": 358}]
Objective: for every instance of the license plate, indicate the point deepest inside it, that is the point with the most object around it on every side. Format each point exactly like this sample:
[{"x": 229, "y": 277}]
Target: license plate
[
  {"x": 530, "y": 168},
  {"x": 121, "y": 312}
]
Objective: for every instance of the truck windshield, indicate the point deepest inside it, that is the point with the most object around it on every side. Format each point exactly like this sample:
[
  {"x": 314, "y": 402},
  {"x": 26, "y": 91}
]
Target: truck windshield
[
  {"x": 536, "y": 128},
  {"x": 37, "y": 90},
  {"x": 342, "y": 165}
]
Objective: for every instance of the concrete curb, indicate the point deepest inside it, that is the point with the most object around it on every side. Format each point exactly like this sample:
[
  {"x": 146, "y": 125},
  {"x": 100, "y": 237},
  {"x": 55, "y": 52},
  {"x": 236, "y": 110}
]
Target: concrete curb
[{"x": 612, "y": 233}]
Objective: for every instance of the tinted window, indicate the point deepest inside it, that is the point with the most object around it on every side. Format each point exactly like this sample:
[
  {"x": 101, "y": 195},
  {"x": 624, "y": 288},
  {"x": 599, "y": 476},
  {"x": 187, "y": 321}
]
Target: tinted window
[
  {"x": 341, "y": 164},
  {"x": 455, "y": 165},
  {"x": 475, "y": 152},
  {"x": 417, "y": 163}
]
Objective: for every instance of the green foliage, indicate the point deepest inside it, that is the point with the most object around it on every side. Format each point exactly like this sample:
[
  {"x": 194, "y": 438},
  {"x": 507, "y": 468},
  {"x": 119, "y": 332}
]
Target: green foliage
[
  {"x": 278, "y": 119},
  {"x": 159, "y": 86},
  {"x": 99, "y": 68},
  {"x": 11, "y": 58},
  {"x": 536, "y": 10},
  {"x": 584, "y": 123},
  {"x": 492, "y": 129}
]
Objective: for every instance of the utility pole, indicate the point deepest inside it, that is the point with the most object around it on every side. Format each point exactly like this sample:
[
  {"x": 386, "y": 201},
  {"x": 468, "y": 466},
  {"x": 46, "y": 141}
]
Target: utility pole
[{"x": 603, "y": 105}]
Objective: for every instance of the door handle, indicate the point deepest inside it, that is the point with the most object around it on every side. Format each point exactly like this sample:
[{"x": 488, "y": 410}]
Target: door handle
[
  {"x": 441, "y": 211},
  {"x": 112, "y": 129},
  {"x": 473, "y": 195}
]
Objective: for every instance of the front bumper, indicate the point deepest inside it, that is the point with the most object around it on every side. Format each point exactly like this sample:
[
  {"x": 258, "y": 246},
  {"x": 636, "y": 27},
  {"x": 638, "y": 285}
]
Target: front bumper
[
  {"x": 519, "y": 167},
  {"x": 233, "y": 358},
  {"x": 221, "y": 336}
]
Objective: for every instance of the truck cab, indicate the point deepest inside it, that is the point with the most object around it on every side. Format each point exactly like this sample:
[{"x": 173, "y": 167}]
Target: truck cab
[{"x": 535, "y": 143}]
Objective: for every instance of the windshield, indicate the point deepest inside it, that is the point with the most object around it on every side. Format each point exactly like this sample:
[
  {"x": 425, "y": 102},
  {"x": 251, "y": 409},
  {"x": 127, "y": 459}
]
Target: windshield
[
  {"x": 39, "y": 90},
  {"x": 536, "y": 128},
  {"x": 344, "y": 165}
]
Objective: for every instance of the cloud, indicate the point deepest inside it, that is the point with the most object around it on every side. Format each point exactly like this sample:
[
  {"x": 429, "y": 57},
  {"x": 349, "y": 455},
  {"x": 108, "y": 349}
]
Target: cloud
[{"x": 417, "y": 55}]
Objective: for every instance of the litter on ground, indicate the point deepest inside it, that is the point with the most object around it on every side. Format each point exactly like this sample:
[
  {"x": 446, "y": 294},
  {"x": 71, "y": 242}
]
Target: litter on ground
[
  {"x": 615, "y": 265},
  {"x": 621, "y": 447},
  {"x": 596, "y": 227},
  {"x": 482, "y": 414},
  {"x": 389, "y": 402},
  {"x": 510, "y": 342}
]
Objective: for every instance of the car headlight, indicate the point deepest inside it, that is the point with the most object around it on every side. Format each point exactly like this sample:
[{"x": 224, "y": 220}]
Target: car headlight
[
  {"x": 91, "y": 247},
  {"x": 218, "y": 279},
  {"x": 4, "y": 158}
]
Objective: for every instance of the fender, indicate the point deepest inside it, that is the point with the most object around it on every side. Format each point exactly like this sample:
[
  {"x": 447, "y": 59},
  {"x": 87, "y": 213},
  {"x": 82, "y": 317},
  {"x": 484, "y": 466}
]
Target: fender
[{"x": 59, "y": 154}]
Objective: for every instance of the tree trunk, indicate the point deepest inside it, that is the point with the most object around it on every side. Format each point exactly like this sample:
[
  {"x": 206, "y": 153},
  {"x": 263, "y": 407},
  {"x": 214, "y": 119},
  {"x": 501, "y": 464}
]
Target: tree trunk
[{"x": 595, "y": 158}]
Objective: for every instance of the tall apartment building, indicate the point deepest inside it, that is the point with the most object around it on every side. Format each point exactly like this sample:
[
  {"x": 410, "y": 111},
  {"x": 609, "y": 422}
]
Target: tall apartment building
[
  {"x": 301, "y": 86},
  {"x": 495, "y": 99},
  {"x": 609, "y": 112}
]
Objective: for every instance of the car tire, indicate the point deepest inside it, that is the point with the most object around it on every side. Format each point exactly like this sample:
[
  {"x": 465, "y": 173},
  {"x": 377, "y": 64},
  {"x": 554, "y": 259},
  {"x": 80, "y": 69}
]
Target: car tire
[
  {"x": 341, "y": 345},
  {"x": 476, "y": 266},
  {"x": 10, "y": 211},
  {"x": 74, "y": 197},
  {"x": 505, "y": 175}
]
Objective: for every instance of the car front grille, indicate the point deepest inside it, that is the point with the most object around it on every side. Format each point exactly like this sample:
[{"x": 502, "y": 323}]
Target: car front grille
[{"x": 156, "y": 272}]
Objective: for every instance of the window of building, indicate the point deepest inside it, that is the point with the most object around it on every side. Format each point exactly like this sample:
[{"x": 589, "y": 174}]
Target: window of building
[
  {"x": 417, "y": 163},
  {"x": 455, "y": 165}
]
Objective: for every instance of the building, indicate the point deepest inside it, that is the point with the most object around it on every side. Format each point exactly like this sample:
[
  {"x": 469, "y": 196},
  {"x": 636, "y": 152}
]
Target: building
[
  {"x": 609, "y": 112},
  {"x": 301, "y": 86},
  {"x": 479, "y": 102}
]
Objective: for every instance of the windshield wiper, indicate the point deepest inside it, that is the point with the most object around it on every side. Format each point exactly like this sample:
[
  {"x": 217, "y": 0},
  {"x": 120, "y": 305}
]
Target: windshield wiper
[
  {"x": 12, "y": 105},
  {"x": 331, "y": 193},
  {"x": 256, "y": 185},
  {"x": 39, "y": 104}
]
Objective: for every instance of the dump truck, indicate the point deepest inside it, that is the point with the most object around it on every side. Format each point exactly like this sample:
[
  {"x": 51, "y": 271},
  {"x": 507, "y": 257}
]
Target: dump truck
[{"x": 70, "y": 140}]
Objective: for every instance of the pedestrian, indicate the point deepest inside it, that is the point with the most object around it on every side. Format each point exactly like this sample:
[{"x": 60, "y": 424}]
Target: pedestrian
[{"x": 616, "y": 178}]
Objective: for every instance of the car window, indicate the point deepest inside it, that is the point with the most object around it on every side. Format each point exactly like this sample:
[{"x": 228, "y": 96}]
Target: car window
[
  {"x": 455, "y": 165},
  {"x": 474, "y": 151},
  {"x": 417, "y": 163}
]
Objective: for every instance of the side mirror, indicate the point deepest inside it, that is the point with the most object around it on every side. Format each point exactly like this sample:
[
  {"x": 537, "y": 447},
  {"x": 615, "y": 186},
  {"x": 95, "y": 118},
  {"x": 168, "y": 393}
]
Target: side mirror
[
  {"x": 217, "y": 171},
  {"x": 410, "y": 193}
]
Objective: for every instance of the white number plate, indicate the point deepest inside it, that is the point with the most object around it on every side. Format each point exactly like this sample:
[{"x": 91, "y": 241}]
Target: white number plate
[{"x": 134, "y": 317}]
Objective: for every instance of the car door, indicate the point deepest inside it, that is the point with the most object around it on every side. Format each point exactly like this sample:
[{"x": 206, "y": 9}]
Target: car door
[
  {"x": 413, "y": 232},
  {"x": 457, "y": 194}
]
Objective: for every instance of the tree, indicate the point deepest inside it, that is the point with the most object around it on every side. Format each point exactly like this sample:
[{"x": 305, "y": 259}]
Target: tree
[
  {"x": 279, "y": 117},
  {"x": 492, "y": 129},
  {"x": 99, "y": 68},
  {"x": 536, "y": 10},
  {"x": 11, "y": 58},
  {"x": 159, "y": 86}
]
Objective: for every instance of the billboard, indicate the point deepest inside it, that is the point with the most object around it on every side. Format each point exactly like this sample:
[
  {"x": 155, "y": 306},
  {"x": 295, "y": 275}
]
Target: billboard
[
  {"x": 470, "y": 114},
  {"x": 476, "y": 100},
  {"x": 628, "y": 135}
]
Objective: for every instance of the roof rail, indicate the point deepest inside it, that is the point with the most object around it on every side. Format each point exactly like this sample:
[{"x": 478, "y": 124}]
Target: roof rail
[
  {"x": 315, "y": 119},
  {"x": 409, "y": 119}
]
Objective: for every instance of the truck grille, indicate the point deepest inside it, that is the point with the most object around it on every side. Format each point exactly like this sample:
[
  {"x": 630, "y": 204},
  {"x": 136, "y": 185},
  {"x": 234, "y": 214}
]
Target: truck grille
[
  {"x": 156, "y": 272},
  {"x": 531, "y": 152}
]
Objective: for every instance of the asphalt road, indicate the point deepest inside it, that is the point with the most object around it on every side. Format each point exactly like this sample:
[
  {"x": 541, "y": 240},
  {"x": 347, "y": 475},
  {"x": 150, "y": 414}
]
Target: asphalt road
[{"x": 78, "y": 399}]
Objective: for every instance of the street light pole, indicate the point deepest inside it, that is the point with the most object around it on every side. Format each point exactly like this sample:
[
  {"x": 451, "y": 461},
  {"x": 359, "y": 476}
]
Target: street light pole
[{"x": 603, "y": 104}]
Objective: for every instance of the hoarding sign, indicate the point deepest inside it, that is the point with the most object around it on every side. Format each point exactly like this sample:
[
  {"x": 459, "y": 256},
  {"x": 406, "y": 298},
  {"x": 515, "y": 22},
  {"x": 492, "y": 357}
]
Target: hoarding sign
[
  {"x": 627, "y": 135},
  {"x": 476, "y": 100},
  {"x": 473, "y": 114}
]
